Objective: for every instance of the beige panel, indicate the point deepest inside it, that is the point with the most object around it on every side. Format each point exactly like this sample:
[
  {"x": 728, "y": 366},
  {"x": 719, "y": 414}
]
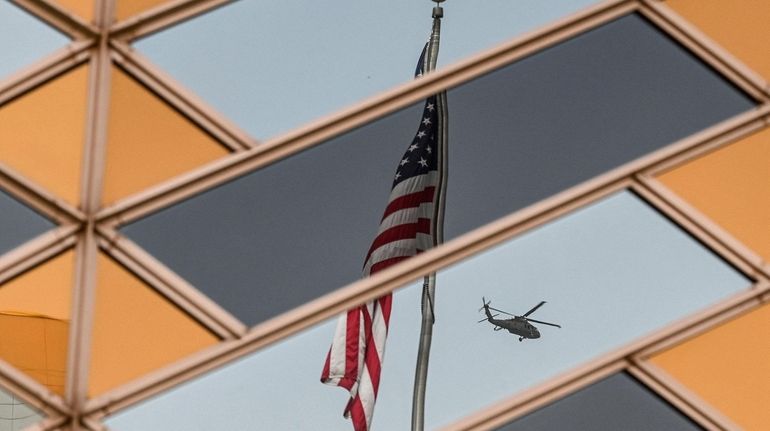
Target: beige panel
[
  {"x": 732, "y": 187},
  {"x": 42, "y": 134},
  {"x": 34, "y": 320},
  {"x": 83, "y": 8},
  {"x": 127, "y": 8},
  {"x": 136, "y": 330},
  {"x": 729, "y": 367},
  {"x": 148, "y": 141},
  {"x": 740, "y": 26}
]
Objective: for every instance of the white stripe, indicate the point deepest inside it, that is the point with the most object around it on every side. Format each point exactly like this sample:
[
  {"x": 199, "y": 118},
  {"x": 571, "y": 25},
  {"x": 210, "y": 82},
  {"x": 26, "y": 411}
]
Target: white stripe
[
  {"x": 423, "y": 241},
  {"x": 405, "y": 216},
  {"x": 414, "y": 184},
  {"x": 366, "y": 393},
  {"x": 337, "y": 358},
  {"x": 400, "y": 248}
]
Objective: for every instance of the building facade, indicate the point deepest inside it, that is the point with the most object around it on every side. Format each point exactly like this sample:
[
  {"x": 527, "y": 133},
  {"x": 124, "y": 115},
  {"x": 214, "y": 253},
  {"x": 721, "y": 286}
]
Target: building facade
[{"x": 188, "y": 189}]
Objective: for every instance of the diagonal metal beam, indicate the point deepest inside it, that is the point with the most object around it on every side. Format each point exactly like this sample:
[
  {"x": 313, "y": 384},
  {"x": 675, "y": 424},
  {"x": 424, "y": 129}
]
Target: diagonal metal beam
[{"x": 59, "y": 18}]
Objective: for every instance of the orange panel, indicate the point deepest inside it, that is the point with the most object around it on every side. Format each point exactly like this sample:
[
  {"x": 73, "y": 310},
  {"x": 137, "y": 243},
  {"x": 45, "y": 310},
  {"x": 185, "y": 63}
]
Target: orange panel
[
  {"x": 148, "y": 141},
  {"x": 133, "y": 321},
  {"x": 127, "y": 8},
  {"x": 34, "y": 320},
  {"x": 731, "y": 187},
  {"x": 83, "y": 8},
  {"x": 42, "y": 133},
  {"x": 728, "y": 367},
  {"x": 738, "y": 26}
]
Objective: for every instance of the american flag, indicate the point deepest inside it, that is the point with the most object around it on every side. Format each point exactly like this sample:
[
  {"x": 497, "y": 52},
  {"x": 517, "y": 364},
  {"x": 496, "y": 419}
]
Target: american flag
[{"x": 355, "y": 358}]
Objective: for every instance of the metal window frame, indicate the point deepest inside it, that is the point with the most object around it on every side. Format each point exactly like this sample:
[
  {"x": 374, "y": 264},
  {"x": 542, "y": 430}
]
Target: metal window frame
[{"x": 91, "y": 229}]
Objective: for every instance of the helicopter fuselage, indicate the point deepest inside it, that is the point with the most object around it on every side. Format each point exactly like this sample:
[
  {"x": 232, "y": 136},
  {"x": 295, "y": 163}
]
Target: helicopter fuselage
[{"x": 520, "y": 327}]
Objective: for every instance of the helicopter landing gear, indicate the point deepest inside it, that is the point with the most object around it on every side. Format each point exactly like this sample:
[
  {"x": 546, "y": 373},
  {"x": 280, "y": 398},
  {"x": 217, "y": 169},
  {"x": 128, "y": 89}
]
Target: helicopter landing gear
[{"x": 521, "y": 339}]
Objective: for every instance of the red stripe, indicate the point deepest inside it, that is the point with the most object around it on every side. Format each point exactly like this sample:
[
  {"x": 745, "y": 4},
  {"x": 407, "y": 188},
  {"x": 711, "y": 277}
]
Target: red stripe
[
  {"x": 351, "y": 349},
  {"x": 379, "y": 266},
  {"x": 327, "y": 365},
  {"x": 357, "y": 416},
  {"x": 385, "y": 305},
  {"x": 397, "y": 233},
  {"x": 371, "y": 358},
  {"x": 411, "y": 200}
]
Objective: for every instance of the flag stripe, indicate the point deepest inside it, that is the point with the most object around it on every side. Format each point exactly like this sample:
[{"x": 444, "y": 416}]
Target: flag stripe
[
  {"x": 358, "y": 348},
  {"x": 410, "y": 200}
]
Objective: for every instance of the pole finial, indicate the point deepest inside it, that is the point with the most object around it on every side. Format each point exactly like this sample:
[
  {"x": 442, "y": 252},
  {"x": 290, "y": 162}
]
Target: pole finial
[{"x": 438, "y": 11}]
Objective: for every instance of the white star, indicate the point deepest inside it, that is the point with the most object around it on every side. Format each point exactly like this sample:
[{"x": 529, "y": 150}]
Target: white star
[
  {"x": 404, "y": 161},
  {"x": 413, "y": 147},
  {"x": 426, "y": 121},
  {"x": 429, "y": 149},
  {"x": 430, "y": 107},
  {"x": 420, "y": 134},
  {"x": 423, "y": 162},
  {"x": 398, "y": 175}
]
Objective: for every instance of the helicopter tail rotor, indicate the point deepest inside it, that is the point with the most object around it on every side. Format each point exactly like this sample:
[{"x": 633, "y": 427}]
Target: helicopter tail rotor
[{"x": 484, "y": 303}]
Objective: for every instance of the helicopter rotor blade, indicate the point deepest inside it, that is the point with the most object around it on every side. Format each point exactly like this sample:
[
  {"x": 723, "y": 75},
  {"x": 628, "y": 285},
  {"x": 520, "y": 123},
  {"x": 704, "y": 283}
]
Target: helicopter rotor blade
[
  {"x": 487, "y": 318},
  {"x": 501, "y": 311},
  {"x": 533, "y": 309},
  {"x": 544, "y": 323}
]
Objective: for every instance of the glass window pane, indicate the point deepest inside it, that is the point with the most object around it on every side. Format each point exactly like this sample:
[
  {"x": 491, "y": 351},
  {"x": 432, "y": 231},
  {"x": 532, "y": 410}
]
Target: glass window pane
[
  {"x": 518, "y": 135},
  {"x": 15, "y": 414},
  {"x": 730, "y": 186},
  {"x": 614, "y": 403},
  {"x": 34, "y": 320},
  {"x": 740, "y": 27},
  {"x": 19, "y": 223},
  {"x": 133, "y": 321},
  {"x": 24, "y": 39},
  {"x": 284, "y": 64},
  {"x": 145, "y": 132},
  {"x": 42, "y": 133},
  {"x": 610, "y": 272},
  {"x": 728, "y": 368}
]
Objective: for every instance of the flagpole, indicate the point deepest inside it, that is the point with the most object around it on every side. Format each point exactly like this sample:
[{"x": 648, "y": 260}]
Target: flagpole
[{"x": 429, "y": 282}]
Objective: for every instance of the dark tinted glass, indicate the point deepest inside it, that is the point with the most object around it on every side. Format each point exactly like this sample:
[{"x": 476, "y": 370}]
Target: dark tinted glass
[
  {"x": 300, "y": 228},
  {"x": 618, "y": 402},
  {"x": 18, "y": 223}
]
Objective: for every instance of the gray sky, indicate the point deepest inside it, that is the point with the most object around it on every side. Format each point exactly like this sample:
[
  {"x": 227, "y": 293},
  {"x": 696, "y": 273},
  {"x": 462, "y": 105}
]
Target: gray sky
[
  {"x": 274, "y": 65},
  {"x": 610, "y": 273},
  {"x": 24, "y": 39}
]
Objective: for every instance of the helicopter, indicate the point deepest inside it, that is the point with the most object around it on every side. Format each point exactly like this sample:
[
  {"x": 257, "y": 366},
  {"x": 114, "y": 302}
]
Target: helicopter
[{"x": 519, "y": 325}]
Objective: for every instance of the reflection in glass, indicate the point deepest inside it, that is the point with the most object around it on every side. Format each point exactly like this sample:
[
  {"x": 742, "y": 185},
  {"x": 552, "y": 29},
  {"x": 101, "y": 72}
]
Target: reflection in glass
[
  {"x": 295, "y": 230},
  {"x": 341, "y": 51},
  {"x": 618, "y": 402},
  {"x": 18, "y": 223},
  {"x": 611, "y": 272},
  {"x": 15, "y": 414},
  {"x": 24, "y": 39}
]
